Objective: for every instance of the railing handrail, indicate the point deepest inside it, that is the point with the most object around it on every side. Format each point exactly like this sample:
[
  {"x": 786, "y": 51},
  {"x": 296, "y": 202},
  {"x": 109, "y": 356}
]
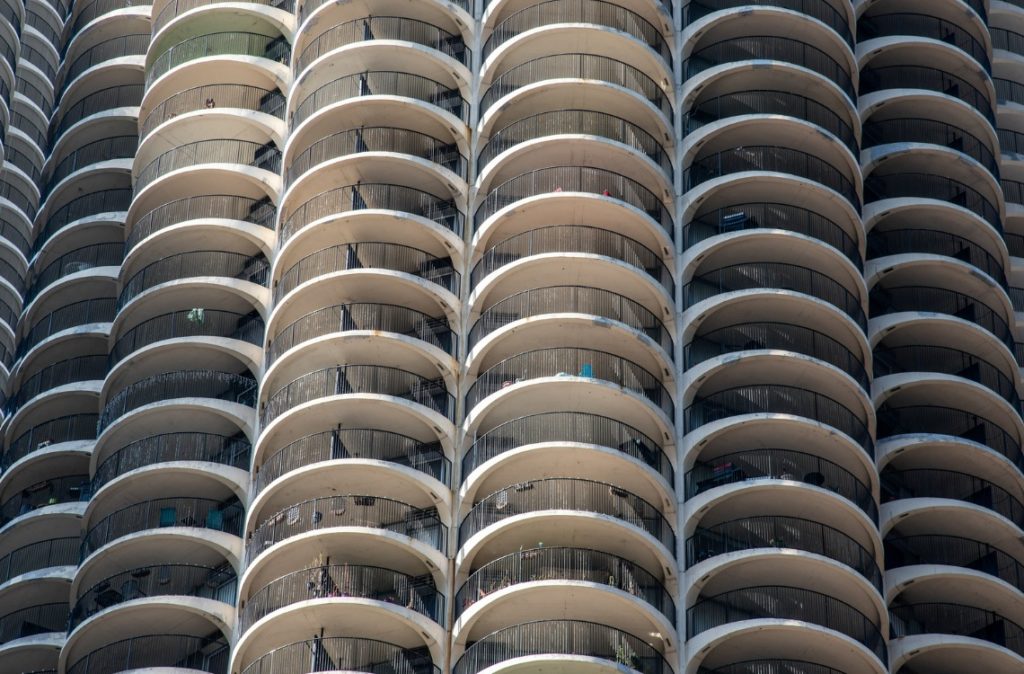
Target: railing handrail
[
  {"x": 89, "y": 367},
  {"x": 901, "y": 551},
  {"x": 943, "y": 483},
  {"x": 1003, "y": 442},
  {"x": 264, "y": 156},
  {"x": 60, "y": 552},
  {"x": 244, "y": 96},
  {"x": 113, "y": 200},
  {"x": 825, "y": 12},
  {"x": 80, "y": 426},
  {"x": 108, "y": 254},
  {"x": 218, "y": 43},
  {"x": 892, "y": 24},
  {"x": 947, "y": 360},
  {"x": 930, "y": 186},
  {"x": 195, "y": 322},
  {"x": 349, "y": 653},
  {"x": 254, "y": 268},
  {"x": 164, "y": 447},
  {"x": 156, "y": 650},
  {"x": 175, "y": 7},
  {"x": 95, "y": 310},
  {"x": 924, "y": 130},
  {"x": 914, "y": 299},
  {"x": 260, "y": 212},
  {"x": 133, "y": 44},
  {"x": 958, "y": 619},
  {"x": 879, "y": 78}
]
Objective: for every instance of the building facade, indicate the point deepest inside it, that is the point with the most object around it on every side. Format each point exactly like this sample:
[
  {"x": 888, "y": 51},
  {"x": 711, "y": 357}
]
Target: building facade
[{"x": 423, "y": 336}]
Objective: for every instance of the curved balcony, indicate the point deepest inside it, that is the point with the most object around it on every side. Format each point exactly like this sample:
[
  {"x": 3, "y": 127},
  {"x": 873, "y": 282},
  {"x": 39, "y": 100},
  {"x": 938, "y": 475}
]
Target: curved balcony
[
  {"x": 770, "y": 102},
  {"x": 874, "y": 79},
  {"x": 260, "y": 212},
  {"x": 87, "y": 11},
  {"x": 966, "y": 553},
  {"x": 12, "y": 275},
  {"x": 234, "y": 43},
  {"x": 201, "y": 513},
  {"x": 217, "y": 151},
  {"x": 175, "y": 8},
  {"x": 693, "y": 10},
  {"x": 567, "y": 564},
  {"x": 378, "y": 139},
  {"x": 777, "y": 399},
  {"x": 577, "y": 427},
  {"x": 365, "y": 196},
  {"x": 234, "y": 96},
  {"x": 41, "y": 98},
  {"x": 770, "y": 335},
  {"x": 559, "y": 493},
  {"x": 773, "y": 159},
  {"x": 35, "y": 19},
  {"x": 26, "y": 203},
  {"x": 134, "y": 44},
  {"x": 196, "y": 322},
  {"x": 157, "y": 650},
  {"x": 771, "y": 666},
  {"x": 61, "y": 429},
  {"x": 104, "y": 201},
  {"x": 1013, "y": 191},
  {"x": 43, "y": 61},
  {"x": 354, "y": 443},
  {"x": 369, "y": 255},
  {"x": 375, "y": 317},
  {"x": 231, "y": 451},
  {"x": 72, "y": 370},
  {"x": 929, "y": 186},
  {"x": 184, "y": 580},
  {"x": 580, "y": 67},
  {"x": 234, "y": 388},
  {"x": 926, "y": 358},
  {"x": 1007, "y": 40},
  {"x": 571, "y": 299},
  {"x": 597, "y": 12},
  {"x": 330, "y": 654},
  {"x": 785, "y": 603},
  {"x": 30, "y": 125},
  {"x": 563, "y": 362},
  {"x": 398, "y": 28},
  {"x": 780, "y": 464},
  {"x": 99, "y": 310},
  {"x": 14, "y": 236},
  {"x": 67, "y": 489},
  {"x": 382, "y": 83},
  {"x": 885, "y": 301},
  {"x": 349, "y": 510},
  {"x": 192, "y": 264},
  {"x": 575, "y": 179},
  {"x": 77, "y": 260},
  {"x": 767, "y": 531},
  {"x": 772, "y": 48},
  {"x": 566, "y": 122},
  {"x": 953, "y": 485},
  {"x": 904, "y": 24},
  {"x": 33, "y": 620},
  {"x": 934, "y": 242},
  {"x": 41, "y": 555},
  {"x": 356, "y": 378},
  {"x": 345, "y": 580},
  {"x": 958, "y": 620},
  {"x": 105, "y": 149},
  {"x": 933, "y": 132},
  {"x": 562, "y": 638},
  {"x": 774, "y": 276}
]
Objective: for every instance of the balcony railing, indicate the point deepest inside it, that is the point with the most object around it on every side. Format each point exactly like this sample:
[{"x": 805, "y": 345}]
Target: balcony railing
[
  {"x": 30, "y": 125},
  {"x": 217, "y": 151},
  {"x": 242, "y": 96},
  {"x": 260, "y": 212},
  {"x": 780, "y": 464},
  {"x": 875, "y": 78},
  {"x": 160, "y": 580},
  {"x": 565, "y": 564},
  {"x": 196, "y": 322},
  {"x": 121, "y": 46},
  {"x": 1008, "y": 91},
  {"x": 379, "y": 139},
  {"x": 202, "y": 653},
  {"x": 80, "y": 259},
  {"x": 397, "y": 28},
  {"x": 235, "y": 388},
  {"x": 567, "y": 427},
  {"x": 12, "y": 275},
  {"x": 794, "y": 533},
  {"x": 14, "y": 235},
  {"x": 777, "y": 399},
  {"x": 768, "y": 602},
  {"x": 773, "y": 48},
  {"x": 571, "y": 362},
  {"x": 953, "y": 551},
  {"x": 41, "y": 555},
  {"x": 36, "y": 20},
  {"x": 769, "y": 335},
  {"x": 584, "y": 122},
  {"x": 67, "y": 489},
  {"x": 389, "y": 318},
  {"x": 70, "y": 371},
  {"x": 571, "y": 299},
  {"x": 32, "y": 620},
  {"x": 934, "y": 242},
  {"x": 956, "y": 619},
  {"x": 943, "y": 301},
  {"x": 30, "y": 165},
  {"x": 772, "y": 666},
  {"x": 174, "y": 8},
  {"x": 62, "y": 429},
  {"x": 953, "y": 485},
  {"x": 202, "y": 513},
  {"x": 87, "y": 11},
  {"x": 355, "y": 443},
  {"x": 606, "y": 14},
  {"x": 98, "y": 310},
  {"x": 930, "y": 186},
  {"x": 553, "y": 179},
  {"x": 349, "y": 510},
  {"x": 580, "y": 67},
  {"x": 926, "y": 358},
  {"x": 567, "y": 494},
  {"x": 181, "y": 446},
  {"x": 383, "y": 83},
  {"x": 373, "y": 196},
  {"x": 332, "y": 654},
  {"x": 903, "y": 24},
  {"x": 105, "y": 149},
  {"x": 195, "y": 264},
  {"x": 939, "y": 420},
  {"x": 345, "y": 580},
  {"x": 916, "y": 130},
  {"x": 562, "y": 638},
  {"x": 774, "y": 276},
  {"x": 234, "y": 43},
  {"x": 115, "y": 200},
  {"x": 357, "y": 378}
]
